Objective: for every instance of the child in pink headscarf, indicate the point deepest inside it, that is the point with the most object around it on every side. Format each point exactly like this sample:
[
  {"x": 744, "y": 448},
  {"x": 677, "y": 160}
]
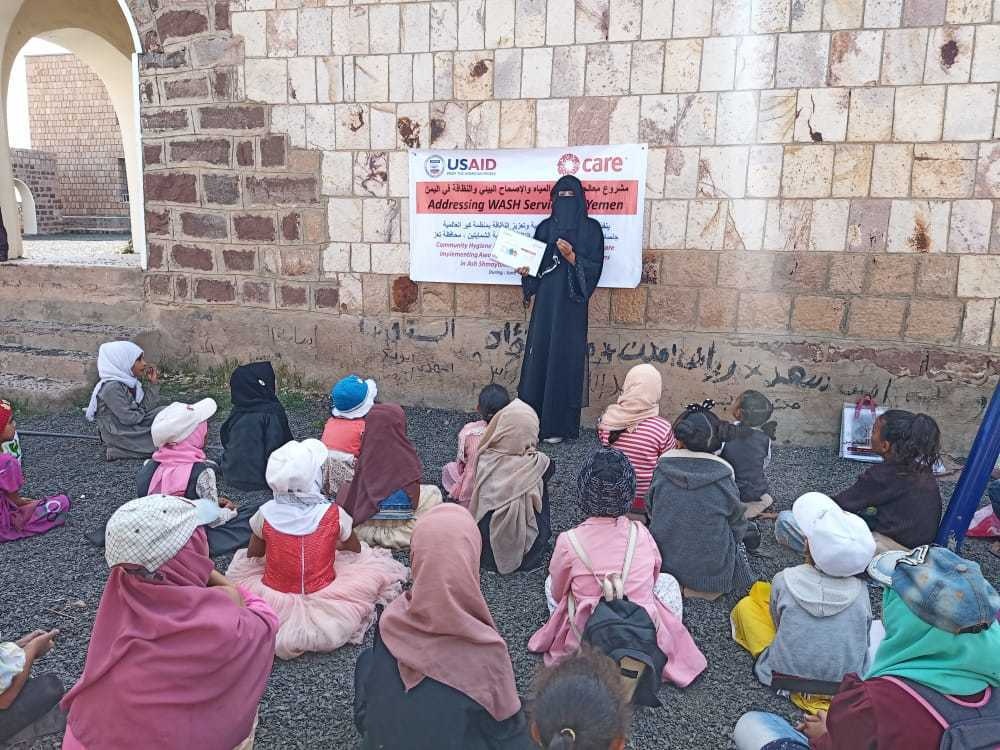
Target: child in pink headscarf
[
  {"x": 19, "y": 516},
  {"x": 458, "y": 477}
]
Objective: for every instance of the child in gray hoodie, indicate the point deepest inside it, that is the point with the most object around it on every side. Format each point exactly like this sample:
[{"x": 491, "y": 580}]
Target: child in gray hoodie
[
  {"x": 816, "y": 623},
  {"x": 696, "y": 516}
]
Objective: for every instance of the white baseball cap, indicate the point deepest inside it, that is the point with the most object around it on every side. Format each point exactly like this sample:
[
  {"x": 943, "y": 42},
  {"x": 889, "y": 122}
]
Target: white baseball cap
[
  {"x": 840, "y": 543},
  {"x": 295, "y": 466},
  {"x": 177, "y": 421},
  {"x": 149, "y": 531}
]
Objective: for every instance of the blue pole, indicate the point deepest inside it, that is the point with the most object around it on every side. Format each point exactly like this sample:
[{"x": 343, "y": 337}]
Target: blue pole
[{"x": 975, "y": 476}]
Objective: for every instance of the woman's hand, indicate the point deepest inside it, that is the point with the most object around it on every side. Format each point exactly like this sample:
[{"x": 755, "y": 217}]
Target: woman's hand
[
  {"x": 566, "y": 250},
  {"x": 225, "y": 502},
  {"x": 216, "y": 579},
  {"x": 813, "y": 727},
  {"x": 152, "y": 374},
  {"x": 523, "y": 270}
]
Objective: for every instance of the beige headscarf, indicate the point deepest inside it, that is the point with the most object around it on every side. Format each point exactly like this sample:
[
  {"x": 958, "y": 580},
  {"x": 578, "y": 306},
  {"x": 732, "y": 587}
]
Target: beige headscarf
[
  {"x": 640, "y": 400},
  {"x": 509, "y": 472}
]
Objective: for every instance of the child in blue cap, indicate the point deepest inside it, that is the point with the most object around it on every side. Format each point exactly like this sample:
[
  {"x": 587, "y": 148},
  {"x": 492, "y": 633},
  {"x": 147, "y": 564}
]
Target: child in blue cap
[
  {"x": 351, "y": 399},
  {"x": 935, "y": 672}
]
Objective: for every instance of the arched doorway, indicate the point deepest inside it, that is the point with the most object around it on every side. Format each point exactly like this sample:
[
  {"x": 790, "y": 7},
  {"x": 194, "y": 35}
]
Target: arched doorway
[
  {"x": 26, "y": 207},
  {"x": 102, "y": 34}
]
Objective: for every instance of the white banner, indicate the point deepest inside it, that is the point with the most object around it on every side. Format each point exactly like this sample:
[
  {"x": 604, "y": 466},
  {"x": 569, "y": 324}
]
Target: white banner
[{"x": 459, "y": 200}]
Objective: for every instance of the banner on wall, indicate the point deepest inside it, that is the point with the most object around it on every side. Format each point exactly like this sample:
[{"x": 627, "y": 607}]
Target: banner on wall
[{"x": 460, "y": 200}]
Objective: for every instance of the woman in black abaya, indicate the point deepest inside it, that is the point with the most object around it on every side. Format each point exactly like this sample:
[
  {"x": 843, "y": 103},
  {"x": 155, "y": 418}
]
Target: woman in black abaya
[{"x": 555, "y": 357}]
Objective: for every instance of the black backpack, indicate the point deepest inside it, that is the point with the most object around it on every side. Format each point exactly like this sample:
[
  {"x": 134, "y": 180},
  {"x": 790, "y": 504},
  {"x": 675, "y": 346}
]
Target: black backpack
[
  {"x": 966, "y": 726},
  {"x": 622, "y": 629}
]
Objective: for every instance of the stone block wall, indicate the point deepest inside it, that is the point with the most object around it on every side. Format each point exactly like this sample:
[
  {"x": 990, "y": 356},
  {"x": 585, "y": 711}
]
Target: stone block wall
[
  {"x": 823, "y": 214},
  {"x": 39, "y": 171},
  {"x": 71, "y": 117}
]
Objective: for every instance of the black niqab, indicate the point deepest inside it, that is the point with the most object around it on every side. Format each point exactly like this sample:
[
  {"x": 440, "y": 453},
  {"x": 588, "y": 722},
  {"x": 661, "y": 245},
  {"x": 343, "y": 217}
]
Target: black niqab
[
  {"x": 253, "y": 385},
  {"x": 256, "y": 427},
  {"x": 554, "y": 369}
]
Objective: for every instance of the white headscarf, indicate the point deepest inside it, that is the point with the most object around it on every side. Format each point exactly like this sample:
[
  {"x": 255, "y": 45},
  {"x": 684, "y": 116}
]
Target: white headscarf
[
  {"x": 295, "y": 475},
  {"x": 114, "y": 363}
]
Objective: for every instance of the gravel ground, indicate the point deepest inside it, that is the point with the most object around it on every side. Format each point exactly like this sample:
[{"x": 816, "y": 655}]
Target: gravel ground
[{"x": 56, "y": 581}]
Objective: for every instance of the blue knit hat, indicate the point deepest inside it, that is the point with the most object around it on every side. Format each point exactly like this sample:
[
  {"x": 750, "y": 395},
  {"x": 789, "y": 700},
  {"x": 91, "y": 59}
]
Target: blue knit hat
[{"x": 352, "y": 397}]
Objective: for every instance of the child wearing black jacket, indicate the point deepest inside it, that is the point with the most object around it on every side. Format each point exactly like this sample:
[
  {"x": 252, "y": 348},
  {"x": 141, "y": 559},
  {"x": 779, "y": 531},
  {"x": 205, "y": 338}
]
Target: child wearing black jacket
[{"x": 749, "y": 451}]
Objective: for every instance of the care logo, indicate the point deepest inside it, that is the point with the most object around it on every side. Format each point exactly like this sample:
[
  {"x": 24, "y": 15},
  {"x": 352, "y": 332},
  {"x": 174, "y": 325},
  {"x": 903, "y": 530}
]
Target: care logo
[
  {"x": 434, "y": 166},
  {"x": 568, "y": 164}
]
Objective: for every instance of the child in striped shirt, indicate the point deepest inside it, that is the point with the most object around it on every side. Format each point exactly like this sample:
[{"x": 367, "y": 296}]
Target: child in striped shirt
[{"x": 634, "y": 426}]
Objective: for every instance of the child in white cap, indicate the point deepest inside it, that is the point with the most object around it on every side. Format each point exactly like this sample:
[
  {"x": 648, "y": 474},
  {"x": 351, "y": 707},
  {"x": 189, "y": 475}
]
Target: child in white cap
[{"x": 812, "y": 622}]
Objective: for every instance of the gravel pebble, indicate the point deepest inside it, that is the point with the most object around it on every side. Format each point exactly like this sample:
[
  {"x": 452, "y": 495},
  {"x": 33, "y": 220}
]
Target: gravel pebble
[{"x": 308, "y": 702}]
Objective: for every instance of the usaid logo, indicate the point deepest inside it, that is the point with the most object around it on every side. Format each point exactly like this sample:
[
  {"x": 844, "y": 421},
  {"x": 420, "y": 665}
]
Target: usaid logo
[{"x": 434, "y": 166}]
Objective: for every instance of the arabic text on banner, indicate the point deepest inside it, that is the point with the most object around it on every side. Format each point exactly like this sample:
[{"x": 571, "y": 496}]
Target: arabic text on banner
[{"x": 459, "y": 200}]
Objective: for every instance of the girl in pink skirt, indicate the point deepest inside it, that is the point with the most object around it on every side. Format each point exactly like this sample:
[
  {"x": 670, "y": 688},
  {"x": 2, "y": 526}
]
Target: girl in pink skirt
[{"x": 306, "y": 562}]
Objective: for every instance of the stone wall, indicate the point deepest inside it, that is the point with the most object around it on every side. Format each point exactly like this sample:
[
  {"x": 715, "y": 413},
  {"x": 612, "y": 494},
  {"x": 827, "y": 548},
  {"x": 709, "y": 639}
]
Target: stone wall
[
  {"x": 39, "y": 171},
  {"x": 71, "y": 117},
  {"x": 822, "y": 214}
]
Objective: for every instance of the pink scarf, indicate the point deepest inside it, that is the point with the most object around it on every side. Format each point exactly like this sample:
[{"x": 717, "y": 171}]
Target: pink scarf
[
  {"x": 442, "y": 628},
  {"x": 176, "y": 461},
  {"x": 172, "y": 664}
]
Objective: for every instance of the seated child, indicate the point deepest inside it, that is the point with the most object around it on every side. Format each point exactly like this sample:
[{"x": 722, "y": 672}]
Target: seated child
[
  {"x": 510, "y": 499},
  {"x": 696, "y": 516},
  {"x": 750, "y": 452},
  {"x": 940, "y": 655},
  {"x": 21, "y": 517},
  {"x": 819, "y": 602},
  {"x": 579, "y": 702},
  {"x": 456, "y": 479},
  {"x": 122, "y": 408},
  {"x": 29, "y": 706},
  {"x": 179, "y": 468},
  {"x": 257, "y": 426},
  {"x": 9, "y": 442},
  {"x": 306, "y": 562},
  {"x": 439, "y": 674},
  {"x": 899, "y": 498},
  {"x": 606, "y": 487},
  {"x": 385, "y": 496},
  {"x": 350, "y": 401},
  {"x": 634, "y": 426}
]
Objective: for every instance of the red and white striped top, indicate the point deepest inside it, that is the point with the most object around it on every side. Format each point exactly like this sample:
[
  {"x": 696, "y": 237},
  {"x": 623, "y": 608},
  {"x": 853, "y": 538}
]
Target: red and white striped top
[{"x": 652, "y": 438}]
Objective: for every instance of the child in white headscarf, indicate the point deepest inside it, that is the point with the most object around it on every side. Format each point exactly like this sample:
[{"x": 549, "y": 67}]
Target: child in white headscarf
[
  {"x": 123, "y": 409},
  {"x": 305, "y": 560}
]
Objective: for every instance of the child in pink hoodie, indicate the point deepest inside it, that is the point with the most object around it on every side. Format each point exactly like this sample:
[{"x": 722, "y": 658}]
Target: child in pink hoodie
[{"x": 607, "y": 488}]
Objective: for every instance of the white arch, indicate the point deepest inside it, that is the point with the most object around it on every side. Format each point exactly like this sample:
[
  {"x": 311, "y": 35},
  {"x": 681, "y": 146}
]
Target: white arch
[
  {"x": 29, "y": 215},
  {"x": 133, "y": 29}
]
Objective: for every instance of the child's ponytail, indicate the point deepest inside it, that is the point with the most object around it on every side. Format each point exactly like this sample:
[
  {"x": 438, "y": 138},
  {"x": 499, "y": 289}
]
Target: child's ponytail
[
  {"x": 580, "y": 704},
  {"x": 915, "y": 439},
  {"x": 564, "y": 740}
]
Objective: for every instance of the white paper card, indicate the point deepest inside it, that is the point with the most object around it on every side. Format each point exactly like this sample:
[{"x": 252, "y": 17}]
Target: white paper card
[{"x": 517, "y": 251}]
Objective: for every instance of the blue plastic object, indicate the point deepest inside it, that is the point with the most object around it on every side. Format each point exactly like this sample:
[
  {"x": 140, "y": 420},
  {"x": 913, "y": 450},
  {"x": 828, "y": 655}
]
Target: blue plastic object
[{"x": 975, "y": 476}]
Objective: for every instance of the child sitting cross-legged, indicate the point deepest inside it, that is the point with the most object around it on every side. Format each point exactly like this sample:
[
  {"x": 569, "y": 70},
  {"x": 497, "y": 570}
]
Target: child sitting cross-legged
[
  {"x": 634, "y": 426},
  {"x": 749, "y": 451},
  {"x": 606, "y": 487},
  {"x": 818, "y": 602},
  {"x": 458, "y": 477},
  {"x": 696, "y": 516},
  {"x": 351, "y": 399},
  {"x": 899, "y": 498},
  {"x": 306, "y": 562}
]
